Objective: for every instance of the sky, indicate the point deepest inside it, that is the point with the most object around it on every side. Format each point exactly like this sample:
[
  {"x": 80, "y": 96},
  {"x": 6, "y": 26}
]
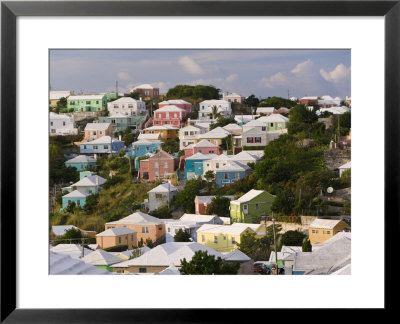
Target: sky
[{"x": 264, "y": 73}]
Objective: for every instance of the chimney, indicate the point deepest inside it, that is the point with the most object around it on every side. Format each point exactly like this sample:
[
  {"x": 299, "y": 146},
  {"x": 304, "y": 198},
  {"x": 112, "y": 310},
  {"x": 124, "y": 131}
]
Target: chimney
[
  {"x": 119, "y": 137},
  {"x": 140, "y": 98}
]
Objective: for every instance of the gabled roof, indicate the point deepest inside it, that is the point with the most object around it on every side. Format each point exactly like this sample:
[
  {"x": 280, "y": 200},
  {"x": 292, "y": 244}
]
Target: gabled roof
[
  {"x": 84, "y": 97},
  {"x": 214, "y": 102},
  {"x": 155, "y": 136},
  {"x": 346, "y": 165},
  {"x": 76, "y": 194},
  {"x": 171, "y": 270},
  {"x": 255, "y": 123},
  {"x": 222, "y": 157},
  {"x": 125, "y": 100},
  {"x": 146, "y": 142},
  {"x": 218, "y": 132},
  {"x": 235, "y": 255},
  {"x": 324, "y": 223},
  {"x": 73, "y": 250},
  {"x": 163, "y": 127},
  {"x": 250, "y": 195},
  {"x": 235, "y": 228},
  {"x": 274, "y": 118},
  {"x": 161, "y": 155},
  {"x": 204, "y": 143},
  {"x": 169, "y": 108},
  {"x": 265, "y": 109},
  {"x": 164, "y": 187},
  {"x": 118, "y": 115},
  {"x": 168, "y": 254},
  {"x": 144, "y": 86},
  {"x": 207, "y": 199},
  {"x": 103, "y": 140},
  {"x": 55, "y": 95},
  {"x": 244, "y": 156},
  {"x": 61, "y": 264},
  {"x": 138, "y": 218},
  {"x": 197, "y": 218},
  {"x": 174, "y": 102},
  {"x": 116, "y": 231},
  {"x": 232, "y": 126},
  {"x": 201, "y": 156},
  {"x": 101, "y": 257},
  {"x": 89, "y": 181},
  {"x": 54, "y": 116},
  {"x": 81, "y": 159},
  {"x": 97, "y": 126},
  {"x": 232, "y": 166}
]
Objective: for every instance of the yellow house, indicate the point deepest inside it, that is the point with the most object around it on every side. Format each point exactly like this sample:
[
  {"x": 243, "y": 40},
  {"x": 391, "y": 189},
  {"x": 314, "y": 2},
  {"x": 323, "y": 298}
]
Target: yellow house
[
  {"x": 55, "y": 96},
  {"x": 223, "y": 238},
  {"x": 214, "y": 136},
  {"x": 165, "y": 131},
  {"x": 321, "y": 230}
]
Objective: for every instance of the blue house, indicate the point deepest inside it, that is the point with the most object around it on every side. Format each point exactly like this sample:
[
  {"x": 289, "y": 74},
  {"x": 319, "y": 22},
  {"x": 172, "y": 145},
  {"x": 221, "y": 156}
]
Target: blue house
[
  {"x": 77, "y": 196},
  {"x": 143, "y": 147},
  {"x": 194, "y": 164},
  {"x": 102, "y": 145},
  {"x": 89, "y": 185},
  {"x": 81, "y": 162},
  {"x": 230, "y": 173}
]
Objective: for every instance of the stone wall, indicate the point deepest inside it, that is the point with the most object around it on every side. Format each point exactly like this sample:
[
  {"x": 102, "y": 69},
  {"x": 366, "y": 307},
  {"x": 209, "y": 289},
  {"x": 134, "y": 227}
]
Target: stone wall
[{"x": 334, "y": 158}]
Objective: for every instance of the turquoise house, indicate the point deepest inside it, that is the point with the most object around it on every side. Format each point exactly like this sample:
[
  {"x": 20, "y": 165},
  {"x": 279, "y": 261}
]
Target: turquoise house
[
  {"x": 230, "y": 173},
  {"x": 143, "y": 147},
  {"x": 119, "y": 122},
  {"x": 81, "y": 162},
  {"x": 194, "y": 164},
  {"x": 87, "y": 185},
  {"x": 76, "y": 196},
  {"x": 87, "y": 103},
  {"x": 84, "y": 174}
]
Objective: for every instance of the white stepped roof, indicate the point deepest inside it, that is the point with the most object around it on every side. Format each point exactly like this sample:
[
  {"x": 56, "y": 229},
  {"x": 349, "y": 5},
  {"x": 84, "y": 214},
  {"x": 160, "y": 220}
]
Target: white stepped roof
[
  {"x": 245, "y": 156},
  {"x": 89, "y": 181},
  {"x": 324, "y": 223},
  {"x": 233, "y": 166},
  {"x": 138, "y": 218},
  {"x": 73, "y": 250},
  {"x": 101, "y": 257},
  {"x": 171, "y": 270},
  {"x": 86, "y": 97},
  {"x": 232, "y": 126},
  {"x": 81, "y": 159},
  {"x": 116, "y": 231},
  {"x": 54, "y": 116},
  {"x": 168, "y": 254},
  {"x": 174, "y": 102},
  {"x": 55, "y": 95},
  {"x": 119, "y": 115},
  {"x": 170, "y": 108},
  {"x": 250, "y": 195},
  {"x": 76, "y": 194},
  {"x": 103, "y": 140},
  {"x": 164, "y": 187},
  {"x": 97, "y": 126},
  {"x": 346, "y": 165},
  {"x": 156, "y": 136},
  {"x": 204, "y": 143},
  {"x": 235, "y": 255},
  {"x": 234, "y": 229},
  {"x": 61, "y": 264},
  {"x": 197, "y": 218},
  {"x": 201, "y": 156},
  {"x": 274, "y": 118},
  {"x": 161, "y": 127},
  {"x": 144, "y": 86},
  {"x": 145, "y": 142},
  {"x": 125, "y": 100},
  {"x": 255, "y": 123},
  {"x": 214, "y": 102}
]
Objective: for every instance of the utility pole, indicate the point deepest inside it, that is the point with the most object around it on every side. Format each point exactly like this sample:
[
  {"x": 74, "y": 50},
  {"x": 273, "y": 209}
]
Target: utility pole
[
  {"x": 276, "y": 254},
  {"x": 169, "y": 184},
  {"x": 83, "y": 252}
]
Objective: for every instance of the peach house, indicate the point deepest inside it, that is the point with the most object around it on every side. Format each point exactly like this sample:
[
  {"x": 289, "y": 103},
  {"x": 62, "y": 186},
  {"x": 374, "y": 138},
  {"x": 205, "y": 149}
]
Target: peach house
[
  {"x": 117, "y": 236},
  {"x": 146, "y": 227},
  {"x": 96, "y": 130},
  {"x": 160, "y": 166}
]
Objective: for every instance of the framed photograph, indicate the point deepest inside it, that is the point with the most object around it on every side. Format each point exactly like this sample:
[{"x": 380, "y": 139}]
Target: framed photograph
[{"x": 122, "y": 77}]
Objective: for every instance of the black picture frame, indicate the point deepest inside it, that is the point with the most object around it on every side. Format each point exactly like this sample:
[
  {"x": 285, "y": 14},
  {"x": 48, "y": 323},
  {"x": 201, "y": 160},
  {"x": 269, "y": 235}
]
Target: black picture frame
[{"x": 10, "y": 10}]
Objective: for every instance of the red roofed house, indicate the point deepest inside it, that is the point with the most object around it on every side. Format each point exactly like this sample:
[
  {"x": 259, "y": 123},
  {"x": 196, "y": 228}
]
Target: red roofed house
[{"x": 308, "y": 100}]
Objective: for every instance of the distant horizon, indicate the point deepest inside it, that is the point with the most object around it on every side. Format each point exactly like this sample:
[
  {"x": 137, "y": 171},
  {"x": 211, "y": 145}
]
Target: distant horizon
[{"x": 264, "y": 73}]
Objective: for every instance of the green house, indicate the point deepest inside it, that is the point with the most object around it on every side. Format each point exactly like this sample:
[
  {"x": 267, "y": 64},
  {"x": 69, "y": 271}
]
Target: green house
[
  {"x": 275, "y": 122},
  {"x": 87, "y": 103},
  {"x": 250, "y": 206},
  {"x": 119, "y": 122}
]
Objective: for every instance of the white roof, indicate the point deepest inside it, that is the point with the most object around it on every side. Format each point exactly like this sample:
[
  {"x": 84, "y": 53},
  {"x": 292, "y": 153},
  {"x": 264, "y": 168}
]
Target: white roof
[
  {"x": 97, "y": 126},
  {"x": 149, "y": 136},
  {"x": 250, "y": 195},
  {"x": 145, "y": 142},
  {"x": 233, "y": 166},
  {"x": 143, "y": 86},
  {"x": 162, "y": 127},
  {"x": 171, "y": 270},
  {"x": 346, "y": 165},
  {"x": 119, "y": 115},
  {"x": 61, "y": 264},
  {"x": 235, "y": 228},
  {"x": 324, "y": 223},
  {"x": 259, "y": 153},
  {"x": 204, "y": 143},
  {"x": 125, "y": 100},
  {"x": 255, "y": 122},
  {"x": 116, "y": 231},
  {"x": 274, "y": 118},
  {"x": 245, "y": 156},
  {"x": 232, "y": 126},
  {"x": 309, "y": 98},
  {"x": 59, "y": 116},
  {"x": 138, "y": 218},
  {"x": 103, "y": 140},
  {"x": 197, "y": 218},
  {"x": 168, "y": 254},
  {"x": 235, "y": 255},
  {"x": 214, "y": 102},
  {"x": 73, "y": 250},
  {"x": 101, "y": 257},
  {"x": 207, "y": 199},
  {"x": 55, "y": 95},
  {"x": 218, "y": 132},
  {"x": 265, "y": 109},
  {"x": 234, "y": 94},
  {"x": 60, "y": 230},
  {"x": 174, "y": 102},
  {"x": 89, "y": 181},
  {"x": 76, "y": 194},
  {"x": 222, "y": 157},
  {"x": 81, "y": 159},
  {"x": 164, "y": 187},
  {"x": 201, "y": 156},
  {"x": 84, "y": 97},
  {"x": 169, "y": 108}
]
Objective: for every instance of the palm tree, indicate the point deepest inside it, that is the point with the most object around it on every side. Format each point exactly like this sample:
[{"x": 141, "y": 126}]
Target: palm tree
[{"x": 214, "y": 111}]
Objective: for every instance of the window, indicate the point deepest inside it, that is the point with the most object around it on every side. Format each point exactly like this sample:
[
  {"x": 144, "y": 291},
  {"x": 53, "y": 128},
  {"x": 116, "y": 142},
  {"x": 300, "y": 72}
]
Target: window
[
  {"x": 132, "y": 237},
  {"x": 272, "y": 124},
  {"x": 263, "y": 128},
  {"x": 72, "y": 103},
  {"x": 160, "y": 228},
  {"x": 237, "y": 175},
  {"x": 63, "y": 123},
  {"x": 224, "y": 238},
  {"x": 78, "y": 202},
  {"x": 245, "y": 207},
  {"x": 145, "y": 229},
  {"x": 315, "y": 231},
  {"x": 169, "y": 230},
  {"x": 217, "y": 165},
  {"x": 159, "y": 196},
  {"x": 258, "y": 139},
  {"x": 211, "y": 152},
  {"x": 95, "y": 147},
  {"x": 192, "y": 164},
  {"x": 130, "y": 106},
  {"x": 215, "y": 240},
  {"x": 226, "y": 176},
  {"x": 156, "y": 164},
  {"x": 84, "y": 146},
  {"x": 115, "y": 106},
  {"x": 106, "y": 147},
  {"x": 142, "y": 270},
  {"x": 165, "y": 165},
  {"x": 233, "y": 241},
  {"x": 327, "y": 232},
  {"x": 88, "y": 102},
  {"x": 257, "y": 206},
  {"x": 186, "y": 133},
  {"x": 97, "y": 102},
  {"x": 249, "y": 139},
  {"x": 119, "y": 240},
  {"x": 203, "y": 238}
]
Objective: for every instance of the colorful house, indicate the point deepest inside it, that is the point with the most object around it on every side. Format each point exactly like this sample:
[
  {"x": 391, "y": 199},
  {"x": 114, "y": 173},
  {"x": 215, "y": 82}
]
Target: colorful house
[
  {"x": 77, "y": 196},
  {"x": 224, "y": 238},
  {"x": 254, "y": 137},
  {"x": 223, "y": 108},
  {"x": 250, "y": 206},
  {"x": 166, "y": 132},
  {"x": 230, "y": 173},
  {"x": 81, "y": 162},
  {"x": 96, "y": 130},
  {"x": 275, "y": 122},
  {"x": 194, "y": 164},
  {"x": 161, "y": 195},
  {"x": 55, "y": 96},
  {"x": 88, "y": 185},
  {"x": 159, "y": 166},
  {"x": 102, "y": 145},
  {"x": 143, "y": 147},
  {"x": 101, "y": 259},
  {"x": 117, "y": 236},
  {"x": 265, "y": 110},
  {"x": 169, "y": 115},
  {"x": 87, "y": 103},
  {"x": 178, "y": 103},
  {"x": 147, "y": 91},
  {"x": 321, "y": 230},
  {"x": 214, "y": 136},
  {"x": 146, "y": 226},
  {"x": 204, "y": 147},
  {"x": 119, "y": 122}
]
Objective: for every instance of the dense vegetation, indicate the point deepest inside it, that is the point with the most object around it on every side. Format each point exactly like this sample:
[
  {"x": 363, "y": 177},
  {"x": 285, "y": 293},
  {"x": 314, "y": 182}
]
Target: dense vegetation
[{"x": 195, "y": 92}]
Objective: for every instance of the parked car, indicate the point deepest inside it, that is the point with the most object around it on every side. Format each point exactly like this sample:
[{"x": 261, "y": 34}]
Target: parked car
[{"x": 258, "y": 264}]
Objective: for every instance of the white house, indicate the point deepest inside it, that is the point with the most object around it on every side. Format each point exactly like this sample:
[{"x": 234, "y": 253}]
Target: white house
[
  {"x": 62, "y": 125},
  {"x": 160, "y": 195},
  {"x": 256, "y": 123},
  {"x": 215, "y": 163},
  {"x": 344, "y": 167},
  {"x": 265, "y": 110},
  {"x": 189, "y": 134},
  {"x": 233, "y": 97},
  {"x": 254, "y": 137},
  {"x": 127, "y": 106},
  {"x": 223, "y": 108}
]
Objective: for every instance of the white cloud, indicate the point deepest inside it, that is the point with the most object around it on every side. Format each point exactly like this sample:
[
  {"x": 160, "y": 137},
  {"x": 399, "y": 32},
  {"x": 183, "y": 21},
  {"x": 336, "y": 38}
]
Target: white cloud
[
  {"x": 232, "y": 77},
  {"x": 339, "y": 73},
  {"x": 275, "y": 80},
  {"x": 124, "y": 76},
  {"x": 302, "y": 67},
  {"x": 190, "y": 65}
]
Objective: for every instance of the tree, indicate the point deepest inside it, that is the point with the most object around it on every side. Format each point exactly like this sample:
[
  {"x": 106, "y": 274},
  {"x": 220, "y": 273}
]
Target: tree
[
  {"x": 219, "y": 206},
  {"x": 255, "y": 248},
  {"x": 91, "y": 203},
  {"x": 209, "y": 175},
  {"x": 292, "y": 238},
  {"x": 203, "y": 264},
  {"x": 301, "y": 120},
  {"x": 277, "y": 102},
  {"x": 149, "y": 243},
  {"x": 71, "y": 206},
  {"x": 214, "y": 112},
  {"x": 252, "y": 101},
  {"x": 162, "y": 212},
  {"x": 185, "y": 198},
  {"x": 170, "y": 145},
  {"x": 62, "y": 103},
  {"x": 306, "y": 247},
  {"x": 182, "y": 236}
]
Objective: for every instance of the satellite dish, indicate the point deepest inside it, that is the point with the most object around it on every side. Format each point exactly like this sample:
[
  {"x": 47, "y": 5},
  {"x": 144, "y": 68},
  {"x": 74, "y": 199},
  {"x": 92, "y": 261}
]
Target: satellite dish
[{"x": 329, "y": 190}]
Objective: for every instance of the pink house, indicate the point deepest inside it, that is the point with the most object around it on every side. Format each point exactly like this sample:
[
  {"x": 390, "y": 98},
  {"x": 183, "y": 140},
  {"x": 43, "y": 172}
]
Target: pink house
[
  {"x": 204, "y": 147},
  {"x": 201, "y": 203},
  {"x": 160, "y": 166},
  {"x": 178, "y": 103},
  {"x": 169, "y": 115}
]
